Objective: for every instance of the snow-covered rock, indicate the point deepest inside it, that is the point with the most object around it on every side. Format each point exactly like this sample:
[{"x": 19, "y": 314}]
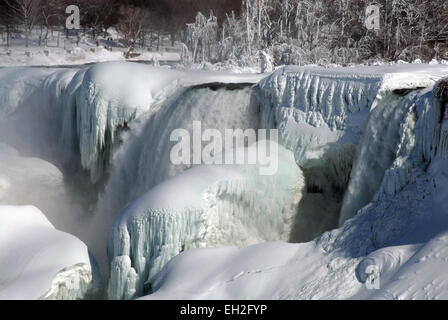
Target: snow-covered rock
[
  {"x": 207, "y": 206},
  {"x": 102, "y": 101},
  {"x": 83, "y": 112},
  {"x": 39, "y": 262}
]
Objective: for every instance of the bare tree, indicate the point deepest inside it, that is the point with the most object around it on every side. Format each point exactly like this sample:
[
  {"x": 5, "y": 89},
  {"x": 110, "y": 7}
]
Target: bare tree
[
  {"x": 51, "y": 16},
  {"x": 26, "y": 13},
  {"x": 131, "y": 24}
]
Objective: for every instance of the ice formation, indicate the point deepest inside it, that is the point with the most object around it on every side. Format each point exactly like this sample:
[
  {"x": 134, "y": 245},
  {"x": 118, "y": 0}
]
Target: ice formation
[
  {"x": 40, "y": 262},
  {"x": 368, "y": 155},
  {"x": 401, "y": 230},
  {"x": 206, "y": 206},
  {"x": 75, "y": 120},
  {"x": 102, "y": 101}
]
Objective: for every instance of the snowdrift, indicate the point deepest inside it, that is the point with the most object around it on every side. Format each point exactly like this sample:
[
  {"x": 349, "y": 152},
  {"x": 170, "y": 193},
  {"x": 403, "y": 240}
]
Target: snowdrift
[{"x": 40, "y": 262}]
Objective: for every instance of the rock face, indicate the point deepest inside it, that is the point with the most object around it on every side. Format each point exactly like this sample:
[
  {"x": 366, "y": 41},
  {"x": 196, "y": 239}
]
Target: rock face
[{"x": 40, "y": 262}]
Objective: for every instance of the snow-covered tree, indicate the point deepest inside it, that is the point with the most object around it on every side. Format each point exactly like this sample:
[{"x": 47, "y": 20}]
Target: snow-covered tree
[{"x": 201, "y": 38}]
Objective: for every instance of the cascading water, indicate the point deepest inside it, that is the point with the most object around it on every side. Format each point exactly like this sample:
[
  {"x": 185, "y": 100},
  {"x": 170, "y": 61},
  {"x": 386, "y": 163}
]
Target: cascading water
[{"x": 376, "y": 152}]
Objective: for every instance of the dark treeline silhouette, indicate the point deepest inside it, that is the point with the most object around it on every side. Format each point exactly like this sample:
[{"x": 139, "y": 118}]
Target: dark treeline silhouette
[
  {"x": 136, "y": 18},
  {"x": 289, "y": 31}
]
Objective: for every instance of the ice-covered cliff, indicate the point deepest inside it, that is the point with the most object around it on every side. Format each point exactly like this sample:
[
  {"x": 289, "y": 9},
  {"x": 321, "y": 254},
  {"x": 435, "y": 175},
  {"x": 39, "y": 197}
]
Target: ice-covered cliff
[
  {"x": 104, "y": 99},
  {"x": 80, "y": 113},
  {"x": 397, "y": 239},
  {"x": 206, "y": 206},
  {"x": 76, "y": 119},
  {"x": 39, "y": 262}
]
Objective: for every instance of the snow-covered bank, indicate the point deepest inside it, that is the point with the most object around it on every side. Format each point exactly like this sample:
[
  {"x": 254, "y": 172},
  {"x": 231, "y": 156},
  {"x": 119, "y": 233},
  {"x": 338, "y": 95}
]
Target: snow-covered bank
[
  {"x": 40, "y": 56},
  {"x": 40, "y": 262}
]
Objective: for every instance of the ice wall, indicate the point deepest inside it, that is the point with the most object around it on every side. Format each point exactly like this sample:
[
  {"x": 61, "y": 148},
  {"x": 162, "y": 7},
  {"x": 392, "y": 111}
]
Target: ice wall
[
  {"x": 101, "y": 101},
  {"x": 30, "y": 109},
  {"x": 207, "y": 206},
  {"x": 378, "y": 148},
  {"x": 347, "y": 107},
  {"x": 408, "y": 184}
]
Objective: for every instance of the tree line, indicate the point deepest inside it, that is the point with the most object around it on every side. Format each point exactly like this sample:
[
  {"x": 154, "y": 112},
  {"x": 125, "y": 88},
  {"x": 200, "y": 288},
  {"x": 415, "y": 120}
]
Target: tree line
[
  {"x": 236, "y": 31},
  {"x": 135, "y": 19}
]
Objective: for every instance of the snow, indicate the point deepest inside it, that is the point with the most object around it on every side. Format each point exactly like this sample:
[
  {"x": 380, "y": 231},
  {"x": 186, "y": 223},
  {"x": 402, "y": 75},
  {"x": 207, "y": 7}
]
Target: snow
[
  {"x": 206, "y": 206},
  {"x": 20, "y": 56},
  {"x": 40, "y": 262},
  {"x": 90, "y": 107}
]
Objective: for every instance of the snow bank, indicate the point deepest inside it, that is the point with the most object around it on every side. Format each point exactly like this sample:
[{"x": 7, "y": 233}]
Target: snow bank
[
  {"x": 313, "y": 106},
  {"x": 27, "y": 180},
  {"x": 83, "y": 54},
  {"x": 40, "y": 262},
  {"x": 207, "y": 206}
]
